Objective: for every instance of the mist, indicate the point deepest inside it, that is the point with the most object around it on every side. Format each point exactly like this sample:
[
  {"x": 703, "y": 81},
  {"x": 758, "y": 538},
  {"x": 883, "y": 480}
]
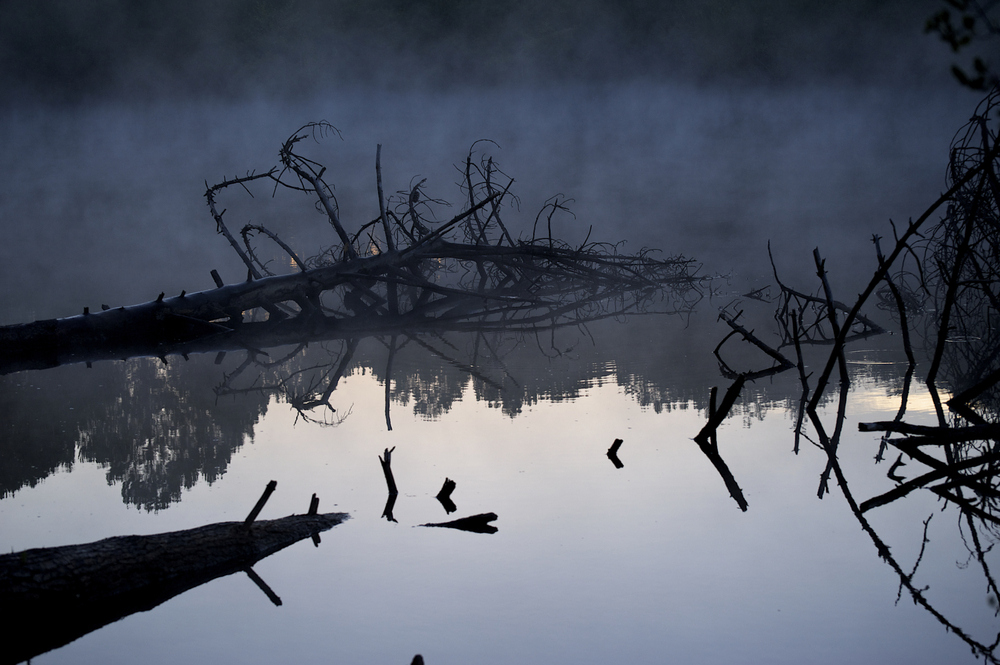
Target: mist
[
  {"x": 717, "y": 131},
  {"x": 104, "y": 202},
  {"x": 696, "y": 128},
  {"x": 59, "y": 50}
]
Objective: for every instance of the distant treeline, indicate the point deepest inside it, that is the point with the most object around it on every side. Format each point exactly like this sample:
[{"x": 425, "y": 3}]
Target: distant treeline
[{"x": 65, "y": 49}]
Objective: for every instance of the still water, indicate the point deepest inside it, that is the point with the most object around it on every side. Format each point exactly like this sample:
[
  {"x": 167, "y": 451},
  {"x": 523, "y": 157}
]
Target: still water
[
  {"x": 650, "y": 562},
  {"x": 590, "y": 563}
]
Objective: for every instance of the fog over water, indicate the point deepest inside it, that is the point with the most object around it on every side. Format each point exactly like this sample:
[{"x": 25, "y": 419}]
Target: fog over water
[
  {"x": 106, "y": 202},
  {"x": 702, "y": 129},
  {"x": 696, "y": 128}
]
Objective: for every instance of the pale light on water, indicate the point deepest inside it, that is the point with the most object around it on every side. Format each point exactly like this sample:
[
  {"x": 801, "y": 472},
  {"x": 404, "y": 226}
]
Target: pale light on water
[
  {"x": 591, "y": 563},
  {"x": 652, "y": 562}
]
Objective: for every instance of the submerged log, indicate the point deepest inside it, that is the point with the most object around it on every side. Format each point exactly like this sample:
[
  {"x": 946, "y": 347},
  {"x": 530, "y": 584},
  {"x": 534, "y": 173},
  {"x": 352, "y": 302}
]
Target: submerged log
[
  {"x": 474, "y": 523},
  {"x": 52, "y": 596}
]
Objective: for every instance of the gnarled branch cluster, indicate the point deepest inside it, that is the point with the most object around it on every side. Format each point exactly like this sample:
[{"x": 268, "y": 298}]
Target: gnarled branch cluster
[
  {"x": 942, "y": 275},
  {"x": 469, "y": 271}
]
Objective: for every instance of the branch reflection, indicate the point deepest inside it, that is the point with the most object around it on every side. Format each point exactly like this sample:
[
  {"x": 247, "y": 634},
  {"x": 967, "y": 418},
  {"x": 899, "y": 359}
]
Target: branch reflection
[{"x": 945, "y": 281}]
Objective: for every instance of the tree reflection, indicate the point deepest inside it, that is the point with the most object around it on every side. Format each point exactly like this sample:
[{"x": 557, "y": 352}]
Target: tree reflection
[
  {"x": 157, "y": 436},
  {"x": 150, "y": 425},
  {"x": 161, "y": 428},
  {"x": 37, "y": 432},
  {"x": 306, "y": 385}
]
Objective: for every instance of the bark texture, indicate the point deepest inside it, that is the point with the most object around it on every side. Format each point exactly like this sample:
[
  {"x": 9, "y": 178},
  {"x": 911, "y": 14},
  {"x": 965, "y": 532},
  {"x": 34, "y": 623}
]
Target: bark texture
[{"x": 51, "y": 596}]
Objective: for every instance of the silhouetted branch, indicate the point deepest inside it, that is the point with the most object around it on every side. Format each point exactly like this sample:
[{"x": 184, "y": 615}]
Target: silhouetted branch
[
  {"x": 273, "y": 236},
  {"x": 792, "y": 309},
  {"x": 262, "y": 585},
  {"x": 950, "y": 470},
  {"x": 934, "y": 434},
  {"x": 748, "y": 335},
  {"x": 220, "y": 225},
  {"x": 260, "y": 503},
  {"x": 900, "y": 304},
  {"x": 381, "y": 200},
  {"x": 832, "y": 314},
  {"x": 705, "y": 440}
]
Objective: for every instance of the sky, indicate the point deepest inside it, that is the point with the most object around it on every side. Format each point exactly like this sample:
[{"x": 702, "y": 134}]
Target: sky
[{"x": 59, "y": 50}]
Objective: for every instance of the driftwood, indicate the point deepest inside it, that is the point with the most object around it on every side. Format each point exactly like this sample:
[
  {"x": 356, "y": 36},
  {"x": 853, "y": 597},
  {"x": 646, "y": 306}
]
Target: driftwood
[{"x": 51, "y": 596}]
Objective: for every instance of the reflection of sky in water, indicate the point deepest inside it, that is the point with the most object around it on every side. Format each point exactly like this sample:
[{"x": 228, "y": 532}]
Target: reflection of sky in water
[{"x": 650, "y": 563}]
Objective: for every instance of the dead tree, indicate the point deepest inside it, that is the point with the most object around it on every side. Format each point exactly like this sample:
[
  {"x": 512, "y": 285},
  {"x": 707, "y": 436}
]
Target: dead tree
[
  {"x": 403, "y": 270},
  {"x": 75, "y": 589},
  {"x": 941, "y": 280},
  {"x": 943, "y": 276}
]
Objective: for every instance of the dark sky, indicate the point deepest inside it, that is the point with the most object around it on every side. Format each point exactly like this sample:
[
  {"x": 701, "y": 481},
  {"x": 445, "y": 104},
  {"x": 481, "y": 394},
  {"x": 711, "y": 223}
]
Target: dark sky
[{"x": 65, "y": 50}]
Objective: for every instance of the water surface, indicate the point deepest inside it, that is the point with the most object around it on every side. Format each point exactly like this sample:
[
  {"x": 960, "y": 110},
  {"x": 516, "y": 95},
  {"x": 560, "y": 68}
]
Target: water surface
[{"x": 591, "y": 563}]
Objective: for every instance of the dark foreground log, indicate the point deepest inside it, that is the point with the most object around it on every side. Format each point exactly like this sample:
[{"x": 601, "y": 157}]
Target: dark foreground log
[{"x": 52, "y": 596}]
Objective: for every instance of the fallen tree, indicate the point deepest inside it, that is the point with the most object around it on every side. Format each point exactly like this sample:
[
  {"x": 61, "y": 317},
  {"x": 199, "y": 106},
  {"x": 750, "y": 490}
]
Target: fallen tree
[
  {"x": 400, "y": 271},
  {"x": 51, "y": 596}
]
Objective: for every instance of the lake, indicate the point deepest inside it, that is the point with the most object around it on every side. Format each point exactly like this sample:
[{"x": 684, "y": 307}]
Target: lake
[{"x": 650, "y": 562}]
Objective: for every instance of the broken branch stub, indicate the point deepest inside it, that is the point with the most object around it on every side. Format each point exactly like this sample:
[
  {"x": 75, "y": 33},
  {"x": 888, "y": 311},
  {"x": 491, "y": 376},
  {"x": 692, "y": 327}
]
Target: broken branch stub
[
  {"x": 386, "y": 463},
  {"x": 260, "y": 503}
]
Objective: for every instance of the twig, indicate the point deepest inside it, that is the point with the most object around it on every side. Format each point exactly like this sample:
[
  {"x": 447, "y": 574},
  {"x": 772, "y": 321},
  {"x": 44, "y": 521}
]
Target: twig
[{"x": 381, "y": 200}]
